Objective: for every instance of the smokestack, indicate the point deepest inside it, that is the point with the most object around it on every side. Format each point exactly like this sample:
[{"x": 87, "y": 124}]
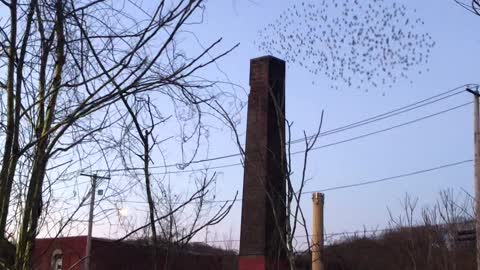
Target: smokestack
[{"x": 317, "y": 237}]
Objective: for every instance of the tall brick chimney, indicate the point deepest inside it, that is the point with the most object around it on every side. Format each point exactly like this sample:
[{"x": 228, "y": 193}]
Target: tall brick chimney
[{"x": 264, "y": 186}]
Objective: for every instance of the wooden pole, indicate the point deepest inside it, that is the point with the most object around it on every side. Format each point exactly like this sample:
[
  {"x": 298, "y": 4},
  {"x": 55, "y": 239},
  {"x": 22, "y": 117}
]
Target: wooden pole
[
  {"x": 88, "y": 248},
  {"x": 476, "y": 142},
  {"x": 477, "y": 176},
  {"x": 317, "y": 237}
]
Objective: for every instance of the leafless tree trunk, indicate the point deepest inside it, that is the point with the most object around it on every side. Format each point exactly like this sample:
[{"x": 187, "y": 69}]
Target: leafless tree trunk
[
  {"x": 67, "y": 69},
  {"x": 433, "y": 233}
]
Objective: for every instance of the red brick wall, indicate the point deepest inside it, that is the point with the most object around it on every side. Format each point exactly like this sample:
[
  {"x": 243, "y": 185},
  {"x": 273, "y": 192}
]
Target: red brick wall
[
  {"x": 108, "y": 255},
  {"x": 73, "y": 249},
  {"x": 263, "y": 222}
]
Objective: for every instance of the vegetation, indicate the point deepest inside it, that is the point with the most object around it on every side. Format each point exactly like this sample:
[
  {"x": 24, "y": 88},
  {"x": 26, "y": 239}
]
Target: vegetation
[{"x": 81, "y": 90}]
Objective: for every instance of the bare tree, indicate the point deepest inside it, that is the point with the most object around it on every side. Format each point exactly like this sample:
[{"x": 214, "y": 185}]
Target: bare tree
[
  {"x": 431, "y": 233},
  {"x": 424, "y": 238},
  {"x": 68, "y": 65},
  {"x": 472, "y": 6}
]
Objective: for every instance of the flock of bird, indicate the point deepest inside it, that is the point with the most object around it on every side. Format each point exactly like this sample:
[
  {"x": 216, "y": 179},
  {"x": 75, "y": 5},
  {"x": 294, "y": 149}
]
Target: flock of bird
[{"x": 354, "y": 43}]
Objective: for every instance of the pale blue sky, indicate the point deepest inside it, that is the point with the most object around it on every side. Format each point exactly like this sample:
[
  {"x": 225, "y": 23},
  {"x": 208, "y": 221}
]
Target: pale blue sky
[{"x": 429, "y": 143}]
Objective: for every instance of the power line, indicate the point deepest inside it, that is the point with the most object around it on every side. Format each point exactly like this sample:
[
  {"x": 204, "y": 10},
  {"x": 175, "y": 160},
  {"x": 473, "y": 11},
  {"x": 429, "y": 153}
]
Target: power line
[
  {"x": 363, "y": 183},
  {"x": 327, "y": 235},
  {"x": 392, "y": 127},
  {"x": 418, "y": 104},
  {"x": 344, "y": 233},
  {"x": 386, "y": 115},
  {"x": 392, "y": 177},
  {"x": 321, "y": 146},
  {"x": 385, "y": 179},
  {"x": 317, "y": 147},
  {"x": 69, "y": 186},
  {"x": 294, "y": 153}
]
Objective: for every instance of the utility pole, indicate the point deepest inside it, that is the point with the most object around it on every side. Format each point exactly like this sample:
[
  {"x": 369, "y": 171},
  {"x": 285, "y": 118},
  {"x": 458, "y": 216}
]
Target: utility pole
[
  {"x": 476, "y": 139},
  {"x": 317, "y": 237},
  {"x": 88, "y": 248}
]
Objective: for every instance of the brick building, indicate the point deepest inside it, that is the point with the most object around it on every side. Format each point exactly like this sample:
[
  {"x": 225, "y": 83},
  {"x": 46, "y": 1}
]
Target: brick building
[{"x": 68, "y": 252}]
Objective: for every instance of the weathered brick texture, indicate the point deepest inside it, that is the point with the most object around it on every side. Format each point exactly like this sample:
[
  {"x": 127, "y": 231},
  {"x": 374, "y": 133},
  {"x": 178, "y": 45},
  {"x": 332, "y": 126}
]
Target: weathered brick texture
[{"x": 263, "y": 207}]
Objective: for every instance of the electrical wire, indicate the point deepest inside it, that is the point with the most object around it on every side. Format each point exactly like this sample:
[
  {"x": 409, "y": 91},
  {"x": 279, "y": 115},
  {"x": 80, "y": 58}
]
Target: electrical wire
[
  {"x": 403, "y": 109},
  {"x": 358, "y": 184},
  {"x": 314, "y": 148}
]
